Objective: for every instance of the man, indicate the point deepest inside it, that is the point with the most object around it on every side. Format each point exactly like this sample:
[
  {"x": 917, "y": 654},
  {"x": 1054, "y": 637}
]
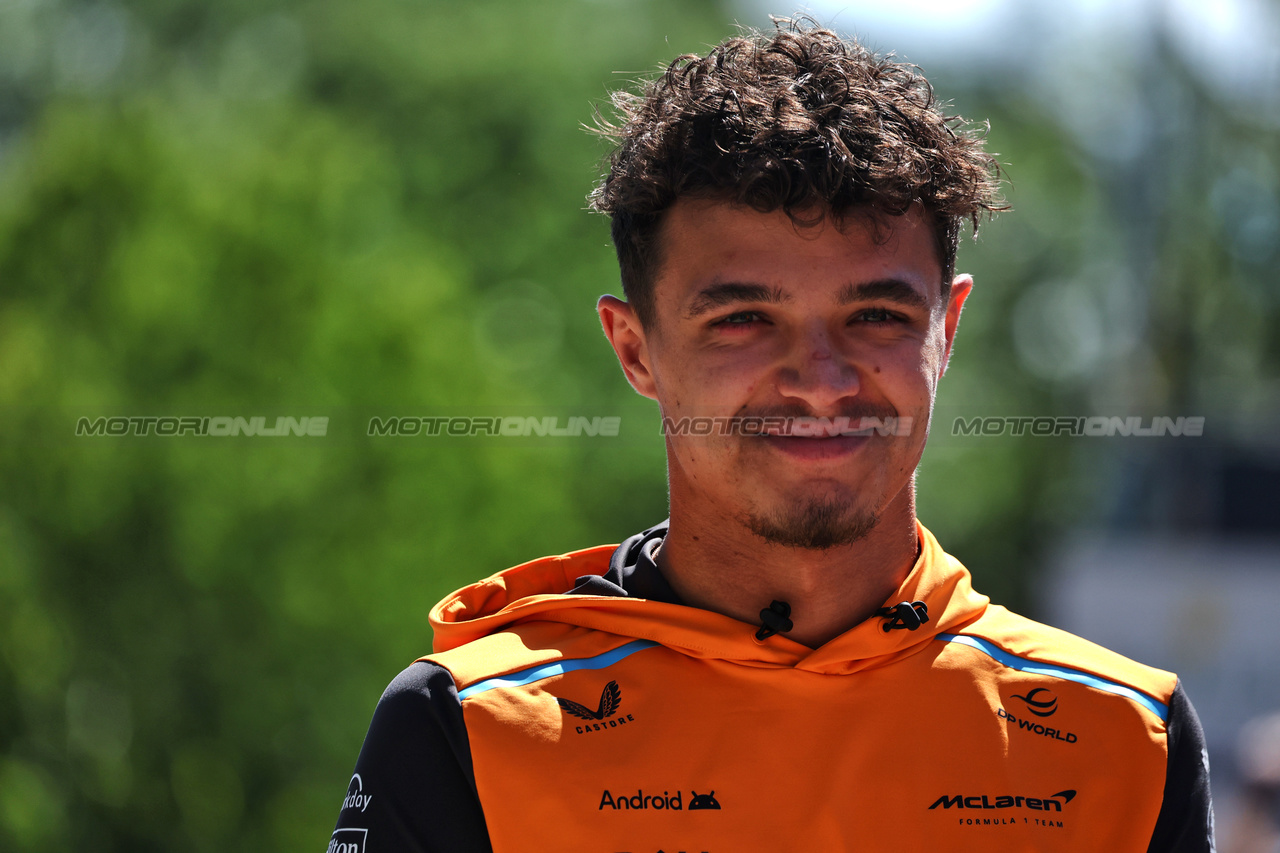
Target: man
[{"x": 792, "y": 662}]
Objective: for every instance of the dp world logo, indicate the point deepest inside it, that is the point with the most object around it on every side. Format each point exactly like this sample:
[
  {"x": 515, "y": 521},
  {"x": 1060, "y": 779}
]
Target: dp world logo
[{"x": 1040, "y": 702}]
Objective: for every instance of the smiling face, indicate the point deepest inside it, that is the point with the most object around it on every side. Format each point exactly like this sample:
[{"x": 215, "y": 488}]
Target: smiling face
[{"x": 757, "y": 319}]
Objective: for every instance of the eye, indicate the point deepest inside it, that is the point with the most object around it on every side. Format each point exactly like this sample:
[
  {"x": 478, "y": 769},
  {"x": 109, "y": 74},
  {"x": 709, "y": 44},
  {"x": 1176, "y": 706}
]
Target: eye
[
  {"x": 741, "y": 318},
  {"x": 876, "y": 316}
]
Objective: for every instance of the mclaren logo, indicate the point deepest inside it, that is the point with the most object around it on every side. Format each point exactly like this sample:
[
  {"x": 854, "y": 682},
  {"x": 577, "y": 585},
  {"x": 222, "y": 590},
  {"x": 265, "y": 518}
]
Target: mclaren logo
[
  {"x": 605, "y": 716},
  {"x": 1005, "y": 801},
  {"x": 1040, "y": 702}
]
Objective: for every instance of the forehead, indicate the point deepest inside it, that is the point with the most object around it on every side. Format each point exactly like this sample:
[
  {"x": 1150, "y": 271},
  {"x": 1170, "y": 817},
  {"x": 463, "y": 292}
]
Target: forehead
[{"x": 707, "y": 242}]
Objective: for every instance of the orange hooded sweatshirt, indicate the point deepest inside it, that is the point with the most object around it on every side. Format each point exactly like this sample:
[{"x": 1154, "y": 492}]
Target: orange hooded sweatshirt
[{"x": 616, "y": 723}]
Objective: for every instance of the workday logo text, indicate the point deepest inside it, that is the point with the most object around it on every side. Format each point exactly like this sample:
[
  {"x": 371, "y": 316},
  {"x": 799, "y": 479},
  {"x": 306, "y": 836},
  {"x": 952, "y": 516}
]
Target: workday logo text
[{"x": 356, "y": 797}]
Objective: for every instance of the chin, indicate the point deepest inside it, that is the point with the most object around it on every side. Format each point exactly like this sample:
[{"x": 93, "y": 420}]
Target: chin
[{"x": 814, "y": 524}]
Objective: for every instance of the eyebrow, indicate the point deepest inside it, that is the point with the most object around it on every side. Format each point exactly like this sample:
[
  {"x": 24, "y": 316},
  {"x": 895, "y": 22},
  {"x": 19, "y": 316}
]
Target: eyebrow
[
  {"x": 731, "y": 293},
  {"x": 882, "y": 289}
]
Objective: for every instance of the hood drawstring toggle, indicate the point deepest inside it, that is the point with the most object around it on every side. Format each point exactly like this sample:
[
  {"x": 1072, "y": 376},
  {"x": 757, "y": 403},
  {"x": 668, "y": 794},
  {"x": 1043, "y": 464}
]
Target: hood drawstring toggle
[
  {"x": 905, "y": 614},
  {"x": 774, "y": 618}
]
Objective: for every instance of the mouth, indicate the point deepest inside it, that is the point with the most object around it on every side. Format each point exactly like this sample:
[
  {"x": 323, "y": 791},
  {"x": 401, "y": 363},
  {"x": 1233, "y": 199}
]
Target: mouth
[
  {"x": 816, "y": 448},
  {"x": 804, "y": 438}
]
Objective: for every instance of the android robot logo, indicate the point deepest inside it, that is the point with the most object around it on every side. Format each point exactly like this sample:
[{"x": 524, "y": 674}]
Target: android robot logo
[{"x": 703, "y": 801}]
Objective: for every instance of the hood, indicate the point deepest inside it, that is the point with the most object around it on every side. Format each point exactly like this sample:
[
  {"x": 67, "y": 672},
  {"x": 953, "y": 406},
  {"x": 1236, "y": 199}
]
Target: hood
[{"x": 535, "y": 592}]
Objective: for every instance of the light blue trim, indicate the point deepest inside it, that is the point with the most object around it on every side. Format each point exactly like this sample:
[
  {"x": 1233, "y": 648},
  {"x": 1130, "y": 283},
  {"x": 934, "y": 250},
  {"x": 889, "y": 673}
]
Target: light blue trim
[
  {"x": 560, "y": 667},
  {"x": 1023, "y": 665}
]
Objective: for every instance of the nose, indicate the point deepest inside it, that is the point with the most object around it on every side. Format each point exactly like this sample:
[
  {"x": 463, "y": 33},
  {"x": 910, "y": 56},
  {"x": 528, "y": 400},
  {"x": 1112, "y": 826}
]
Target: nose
[{"x": 817, "y": 373}]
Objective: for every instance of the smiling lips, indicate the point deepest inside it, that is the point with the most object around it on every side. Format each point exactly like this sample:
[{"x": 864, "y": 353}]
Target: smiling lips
[
  {"x": 806, "y": 438},
  {"x": 817, "y": 448}
]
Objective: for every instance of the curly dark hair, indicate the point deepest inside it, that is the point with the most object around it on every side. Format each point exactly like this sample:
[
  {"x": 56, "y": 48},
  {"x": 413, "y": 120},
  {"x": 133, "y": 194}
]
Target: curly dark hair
[{"x": 802, "y": 121}]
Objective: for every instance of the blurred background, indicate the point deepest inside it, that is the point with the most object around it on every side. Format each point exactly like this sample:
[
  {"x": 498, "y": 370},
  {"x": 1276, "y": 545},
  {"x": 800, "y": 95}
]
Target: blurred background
[{"x": 350, "y": 211}]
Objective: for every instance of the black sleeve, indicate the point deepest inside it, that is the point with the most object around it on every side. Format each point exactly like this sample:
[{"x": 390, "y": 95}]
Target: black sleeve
[
  {"x": 414, "y": 787},
  {"x": 1185, "y": 824}
]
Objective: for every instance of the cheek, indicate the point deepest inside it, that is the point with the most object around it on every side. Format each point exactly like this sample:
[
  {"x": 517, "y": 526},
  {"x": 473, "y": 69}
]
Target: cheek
[
  {"x": 907, "y": 372},
  {"x": 717, "y": 387},
  {"x": 908, "y": 386}
]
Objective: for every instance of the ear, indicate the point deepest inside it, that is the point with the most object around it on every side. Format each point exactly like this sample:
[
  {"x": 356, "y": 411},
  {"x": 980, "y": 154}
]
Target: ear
[
  {"x": 627, "y": 337},
  {"x": 961, "y": 286}
]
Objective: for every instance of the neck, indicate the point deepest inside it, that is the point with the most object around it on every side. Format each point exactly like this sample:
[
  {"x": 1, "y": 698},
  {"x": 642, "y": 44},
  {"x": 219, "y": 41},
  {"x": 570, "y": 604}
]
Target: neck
[{"x": 715, "y": 562}]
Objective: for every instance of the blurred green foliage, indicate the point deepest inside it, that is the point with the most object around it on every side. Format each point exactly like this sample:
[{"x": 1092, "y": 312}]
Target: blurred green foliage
[
  {"x": 347, "y": 209},
  {"x": 319, "y": 210},
  {"x": 1135, "y": 276}
]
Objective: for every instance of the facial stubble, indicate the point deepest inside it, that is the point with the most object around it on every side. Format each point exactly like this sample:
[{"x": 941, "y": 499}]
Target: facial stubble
[{"x": 815, "y": 524}]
